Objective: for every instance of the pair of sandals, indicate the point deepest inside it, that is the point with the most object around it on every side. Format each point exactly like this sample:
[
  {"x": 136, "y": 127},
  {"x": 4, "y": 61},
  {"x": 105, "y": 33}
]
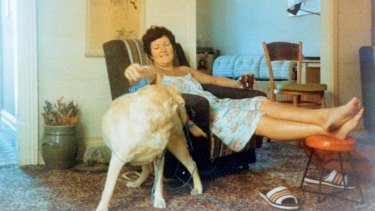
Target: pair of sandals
[{"x": 280, "y": 197}]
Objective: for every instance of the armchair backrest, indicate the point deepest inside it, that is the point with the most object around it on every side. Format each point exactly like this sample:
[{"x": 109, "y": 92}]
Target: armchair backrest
[
  {"x": 119, "y": 54},
  {"x": 367, "y": 67},
  {"x": 283, "y": 51}
]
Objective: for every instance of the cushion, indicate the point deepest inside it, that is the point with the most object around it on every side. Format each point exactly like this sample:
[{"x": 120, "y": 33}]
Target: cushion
[
  {"x": 247, "y": 64},
  {"x": 223, "y": 66},
  {"x": 282, "y": 70},
  {"x": 233, "y": 66},
  {"x": 301, "y": 87}
]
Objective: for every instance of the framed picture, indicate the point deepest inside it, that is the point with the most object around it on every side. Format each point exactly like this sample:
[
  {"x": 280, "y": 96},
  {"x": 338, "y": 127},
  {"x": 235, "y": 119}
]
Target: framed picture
[
  {"x": 307, "y": 5},
  {"x": 112, "y": 19}
]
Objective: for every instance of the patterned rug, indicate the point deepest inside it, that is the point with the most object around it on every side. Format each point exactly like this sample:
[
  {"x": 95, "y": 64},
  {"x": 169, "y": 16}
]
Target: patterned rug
[{"x": 36, "y": 188}]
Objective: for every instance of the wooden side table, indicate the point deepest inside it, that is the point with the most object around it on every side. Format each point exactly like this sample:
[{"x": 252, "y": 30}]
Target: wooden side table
[
  {"x": 310, "y": 74},
  {"x": 310, "y": 71}
]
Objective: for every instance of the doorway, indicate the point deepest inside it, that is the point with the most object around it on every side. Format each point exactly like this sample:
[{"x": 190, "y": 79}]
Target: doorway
[
  {"x": 25, "y": 116},
  {"x": 7, "y": 89}
]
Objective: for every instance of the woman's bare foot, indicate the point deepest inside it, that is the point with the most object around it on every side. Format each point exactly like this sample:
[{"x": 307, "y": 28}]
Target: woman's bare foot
[
  {"x": 340, "y": 115},
  {"x": 347, "y": 127}
]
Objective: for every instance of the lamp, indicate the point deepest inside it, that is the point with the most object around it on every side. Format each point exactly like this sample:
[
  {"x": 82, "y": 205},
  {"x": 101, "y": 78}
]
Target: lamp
[{"x": 297, "y": 7}]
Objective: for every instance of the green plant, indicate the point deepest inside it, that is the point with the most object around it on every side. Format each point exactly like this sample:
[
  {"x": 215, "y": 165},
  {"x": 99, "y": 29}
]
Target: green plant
[{"x": 60, "y": 113}]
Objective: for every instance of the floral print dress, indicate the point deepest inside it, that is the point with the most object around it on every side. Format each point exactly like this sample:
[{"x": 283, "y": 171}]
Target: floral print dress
[{"x": 232, "y": 120}]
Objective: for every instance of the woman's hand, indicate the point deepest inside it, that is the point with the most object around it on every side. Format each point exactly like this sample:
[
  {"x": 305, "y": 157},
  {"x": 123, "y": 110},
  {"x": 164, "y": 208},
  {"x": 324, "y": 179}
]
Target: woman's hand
[
  {"x": 238, "y": 84},
  {"x": 241, "y": 83},
  {"x": 136, "y": 72},
  {"x": 132, "y": 72}
]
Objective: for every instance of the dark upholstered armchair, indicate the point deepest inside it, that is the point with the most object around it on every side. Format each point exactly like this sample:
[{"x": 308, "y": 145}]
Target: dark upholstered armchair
[
  {"x": 367, "y": 67},
  {"x": 213, "y": 158}
]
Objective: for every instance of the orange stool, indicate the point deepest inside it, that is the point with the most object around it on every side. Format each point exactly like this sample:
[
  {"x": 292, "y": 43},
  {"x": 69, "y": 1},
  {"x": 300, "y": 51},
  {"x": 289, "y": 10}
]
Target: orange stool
[{"x": 336, "y": 179}]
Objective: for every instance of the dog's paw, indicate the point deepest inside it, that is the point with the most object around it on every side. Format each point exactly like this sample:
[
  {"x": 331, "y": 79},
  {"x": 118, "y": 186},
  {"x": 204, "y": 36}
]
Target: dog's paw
[
  {"x": 196, "y": 191},
  {"x": 159, "y": 202},
  {"x": 133, "y": 184}
]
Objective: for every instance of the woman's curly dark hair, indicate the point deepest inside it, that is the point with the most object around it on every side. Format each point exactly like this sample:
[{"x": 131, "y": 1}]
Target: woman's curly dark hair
[{"x": 154, "y": 33}]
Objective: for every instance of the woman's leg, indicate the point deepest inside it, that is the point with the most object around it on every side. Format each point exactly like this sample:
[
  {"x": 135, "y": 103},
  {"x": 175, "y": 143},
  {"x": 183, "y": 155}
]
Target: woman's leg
[
  {"x": 328, "y": 118},
  {"x": 290, "y": 130}
]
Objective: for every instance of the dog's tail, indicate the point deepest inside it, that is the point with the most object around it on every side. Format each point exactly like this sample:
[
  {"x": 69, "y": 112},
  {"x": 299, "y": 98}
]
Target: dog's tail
[{"x": 193, "y": 128}]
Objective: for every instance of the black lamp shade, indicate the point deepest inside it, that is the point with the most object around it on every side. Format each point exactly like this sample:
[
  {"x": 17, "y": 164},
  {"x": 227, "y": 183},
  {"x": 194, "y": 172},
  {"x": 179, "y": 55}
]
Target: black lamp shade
[
  {"x": 297, "y": 7},
  {"x": 294, "y": 9}
]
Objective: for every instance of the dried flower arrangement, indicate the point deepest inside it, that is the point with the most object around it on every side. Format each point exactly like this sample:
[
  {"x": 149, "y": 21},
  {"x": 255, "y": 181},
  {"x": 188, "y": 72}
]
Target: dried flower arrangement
[{"x": 60, "y": 113}]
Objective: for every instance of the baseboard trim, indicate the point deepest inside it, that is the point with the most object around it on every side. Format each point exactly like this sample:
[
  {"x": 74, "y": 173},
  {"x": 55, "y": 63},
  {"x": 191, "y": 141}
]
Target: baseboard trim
[{"x": 8, "y": 122}]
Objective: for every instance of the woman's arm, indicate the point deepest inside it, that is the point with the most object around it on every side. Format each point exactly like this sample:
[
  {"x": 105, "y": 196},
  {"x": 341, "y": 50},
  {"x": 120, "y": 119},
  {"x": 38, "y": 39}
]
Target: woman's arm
[
  {"x": 215, "y": 80},
  {"x": 136, "y": 72}
]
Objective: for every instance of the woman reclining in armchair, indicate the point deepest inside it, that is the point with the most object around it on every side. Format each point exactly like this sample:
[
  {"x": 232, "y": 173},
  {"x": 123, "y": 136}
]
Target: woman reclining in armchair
[{"x": 234, "y": 121}]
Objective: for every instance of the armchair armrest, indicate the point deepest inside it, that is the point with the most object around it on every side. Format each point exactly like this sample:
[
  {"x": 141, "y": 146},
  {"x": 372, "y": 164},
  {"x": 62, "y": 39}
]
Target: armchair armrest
[
  {"x": 234, "y": 93},
  {"x": 198, "y": 110}
]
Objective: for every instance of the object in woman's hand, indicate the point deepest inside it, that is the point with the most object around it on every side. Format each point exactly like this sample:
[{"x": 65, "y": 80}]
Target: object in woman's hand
[
  {"x": 247, "y": 80},
  {"x": 146, "y": 67},
  {"x": 146, "y": 70}
]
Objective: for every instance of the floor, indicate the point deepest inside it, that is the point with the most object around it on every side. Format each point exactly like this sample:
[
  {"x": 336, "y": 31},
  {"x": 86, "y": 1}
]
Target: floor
[{"x": 38, "y": 188}]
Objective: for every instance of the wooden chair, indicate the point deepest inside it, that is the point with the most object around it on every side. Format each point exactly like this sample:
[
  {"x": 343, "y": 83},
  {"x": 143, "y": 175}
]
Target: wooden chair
[{"x": 285, "y": 51}]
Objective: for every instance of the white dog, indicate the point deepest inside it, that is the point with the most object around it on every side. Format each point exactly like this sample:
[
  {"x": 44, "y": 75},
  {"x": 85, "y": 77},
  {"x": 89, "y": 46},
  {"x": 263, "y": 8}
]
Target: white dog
[{"x": 138, "y": 127}]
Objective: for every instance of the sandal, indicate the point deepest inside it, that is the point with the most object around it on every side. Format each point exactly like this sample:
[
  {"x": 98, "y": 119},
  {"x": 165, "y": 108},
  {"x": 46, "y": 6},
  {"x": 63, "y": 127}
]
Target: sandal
[
  {"x": 280, "y": 197},
  {"x": 333, "y": 179}
]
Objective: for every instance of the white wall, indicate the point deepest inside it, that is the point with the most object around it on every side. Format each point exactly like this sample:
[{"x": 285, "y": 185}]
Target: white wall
[
  {"x": 63, "y": 68},
  {"x": 65, "y": 71},
  {"x": 240, "y": 26},
  {"x": 180, "y": 17},
  {"x": 354, "y": 31},
  {"x": 345, "y": 27},
  {"x": 204, "y": 22}
]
